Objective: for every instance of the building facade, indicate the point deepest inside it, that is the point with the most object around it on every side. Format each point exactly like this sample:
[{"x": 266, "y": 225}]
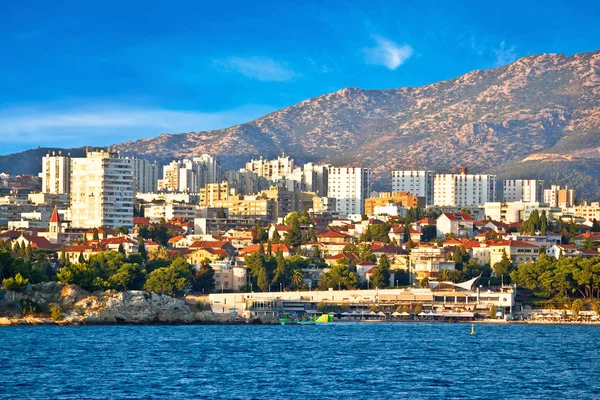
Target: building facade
[
  {"x": 56, "y": 171},
  {"x": 463, "y": 190},
  {"x": 101, "y": 191},
  {"x": 418, "y": 183},
  {"x": 557, "y": 197},
  {"x": 525, "y": 190},
  {"x": 145, "y": 176},
  {"x": 350, "y": 187}
]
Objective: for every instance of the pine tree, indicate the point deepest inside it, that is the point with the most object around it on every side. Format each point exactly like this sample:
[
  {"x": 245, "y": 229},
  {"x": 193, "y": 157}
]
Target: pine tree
[
  {"x": 81, "y": 258},
  {"x": 95, "y": 234},
  {"x": 121, "y": 249},
  {"x": 142, "y": 249}
]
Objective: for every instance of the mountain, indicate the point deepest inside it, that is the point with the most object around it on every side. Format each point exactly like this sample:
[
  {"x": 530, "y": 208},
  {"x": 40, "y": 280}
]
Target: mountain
[{"x": 538, "y": 117}]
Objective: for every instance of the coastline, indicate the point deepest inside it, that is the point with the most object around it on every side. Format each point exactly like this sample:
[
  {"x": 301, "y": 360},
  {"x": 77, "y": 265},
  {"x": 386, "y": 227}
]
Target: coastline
[{"x": 47, "y": 321}]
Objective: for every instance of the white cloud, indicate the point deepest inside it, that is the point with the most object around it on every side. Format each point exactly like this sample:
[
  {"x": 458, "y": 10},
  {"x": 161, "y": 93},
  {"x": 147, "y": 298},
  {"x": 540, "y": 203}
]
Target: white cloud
[
  {"x": 504, "y": 55},
  {"x": 387, "y": 53},
  {"x": 264, "y": 69},
  {"x": 108, "y": 124}
]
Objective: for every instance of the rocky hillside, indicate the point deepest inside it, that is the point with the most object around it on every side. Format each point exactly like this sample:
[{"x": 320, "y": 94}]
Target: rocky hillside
[{"x": 539, "y": 114}]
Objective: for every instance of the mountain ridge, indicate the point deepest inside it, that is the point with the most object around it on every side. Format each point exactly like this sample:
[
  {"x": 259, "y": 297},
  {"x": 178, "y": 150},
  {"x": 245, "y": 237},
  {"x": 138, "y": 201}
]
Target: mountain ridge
[{"x": 540, "y": 113}]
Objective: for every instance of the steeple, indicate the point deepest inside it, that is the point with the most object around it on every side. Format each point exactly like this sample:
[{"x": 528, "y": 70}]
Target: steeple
[{"x": 54, "y": 226}]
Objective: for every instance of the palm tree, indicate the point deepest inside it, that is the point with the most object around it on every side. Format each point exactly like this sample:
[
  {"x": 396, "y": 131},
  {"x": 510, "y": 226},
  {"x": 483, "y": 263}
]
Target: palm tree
[
  {"x": 297, "y": 278},
  {"x": 444, "y": 275}
]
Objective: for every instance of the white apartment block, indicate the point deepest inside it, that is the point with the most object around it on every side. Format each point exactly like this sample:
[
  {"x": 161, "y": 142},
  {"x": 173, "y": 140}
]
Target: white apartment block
[
  {"x": 273, "y": 170},
  {"x": 350, "y": 187},
  {"x": 56, "y": 170},
  {"x": 418, "y": 183},
  {"x": 145, "y": 176},
  {"x": 315, "y": 178},
  {"x": 189, "y": 176},
  {"x": 101, "y": 191},
  {"x": 463, "y": 190},
  {"x": 525, "y": 190}
]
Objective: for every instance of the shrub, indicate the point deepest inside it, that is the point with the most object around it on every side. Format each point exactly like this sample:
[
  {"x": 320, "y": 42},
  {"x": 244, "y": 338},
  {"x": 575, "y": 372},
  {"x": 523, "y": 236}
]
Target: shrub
[
  {"x": 56, "y": 313},
  {"x": 17, "y": 284},
  {"x": 28, "y": 307}
]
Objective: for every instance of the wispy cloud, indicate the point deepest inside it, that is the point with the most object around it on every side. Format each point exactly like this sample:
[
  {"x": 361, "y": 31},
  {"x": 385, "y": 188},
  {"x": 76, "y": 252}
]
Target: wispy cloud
[
  {"x": 387, "y": 53},
  {"x": 264, "y": 69},
  {"x": 504, "y": 55},
  {"x": 108, "y": 124}
]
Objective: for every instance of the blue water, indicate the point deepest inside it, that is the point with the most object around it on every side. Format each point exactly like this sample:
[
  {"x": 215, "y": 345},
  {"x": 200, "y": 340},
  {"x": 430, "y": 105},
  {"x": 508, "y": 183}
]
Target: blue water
[{"x": 353, "y": 361}]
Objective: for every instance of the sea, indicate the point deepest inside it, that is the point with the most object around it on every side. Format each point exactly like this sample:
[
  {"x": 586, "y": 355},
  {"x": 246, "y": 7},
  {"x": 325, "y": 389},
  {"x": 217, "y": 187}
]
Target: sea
[{"x": 329, "y": 361}]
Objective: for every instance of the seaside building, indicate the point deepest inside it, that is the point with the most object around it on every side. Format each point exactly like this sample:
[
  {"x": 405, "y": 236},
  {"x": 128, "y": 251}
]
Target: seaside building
[
  {"x": 101, "y": 191},
  {"x": 56, "y": 171},
  {"x": 350, "y": 187}
]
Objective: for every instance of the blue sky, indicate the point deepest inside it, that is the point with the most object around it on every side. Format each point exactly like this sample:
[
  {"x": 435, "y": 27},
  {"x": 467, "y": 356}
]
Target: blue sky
[{"x": 76, "y": 73}]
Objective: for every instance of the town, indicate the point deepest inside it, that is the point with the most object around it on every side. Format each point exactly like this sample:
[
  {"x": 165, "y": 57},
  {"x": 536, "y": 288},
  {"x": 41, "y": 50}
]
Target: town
[{"x": 277, "y": 240}]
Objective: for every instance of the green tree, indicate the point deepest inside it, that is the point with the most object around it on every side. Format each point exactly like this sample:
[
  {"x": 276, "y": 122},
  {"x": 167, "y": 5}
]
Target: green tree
[
  {"x": 16, "y": 284},
  {"x": 504, "y": 266},
  {"x": 122, "y": 230},
  {"x": 121, "y": 249},
  {"x": 130, "y": 276},
  {"x": 204, "y": 280},
  {"x": 312, "y": 236},
  {"x": 293, "y": 237},
  {"x": 142, "y": 249},
  {"x": 171, "y": 280},
  {"x": 339, "y": 277},
  {"x": 95, "y": 234},
  {"x": 282, "y": 272},
  {"x": 595, "y": 226},
  {"x": 221, "y": 213},
  {"x": 576, "y": 307},
  {"x": 297, "y": 278},
  {"x": 81, "y": 258},
  {"x": 276, "y": 237}
]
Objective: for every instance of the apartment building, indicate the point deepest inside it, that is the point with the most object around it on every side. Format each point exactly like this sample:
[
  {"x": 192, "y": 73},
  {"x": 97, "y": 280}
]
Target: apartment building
[
  {"x": 56, "y": 170},
  {"x": 145, "y": 176},
  {"x": 418, "y": 183},
  {"x": 350, "y": 187},
  {"x": 101, "y": 190},
  {"x": 525, "y": 190},
  {"x": 557, "y": 197},
  {"x": 463, "y": 190}
]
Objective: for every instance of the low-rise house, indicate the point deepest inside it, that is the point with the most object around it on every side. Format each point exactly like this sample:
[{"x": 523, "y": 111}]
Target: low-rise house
[
  {"x": 219, "y": 245},
  {"x": 36, "y": 242},
  {"x": 517, "y": 250},
  {"x": 72, "y": 253},
  {"x": 229, "y": 277},
  {"x": 285, "y": 250},
  {"x": 282, "y": 230},
  {"x": 458, "y": 224},
  {"x": 580, "y": 240},
  {"x": 562, "y": 250},
  {"x": 333, "y": 236}
]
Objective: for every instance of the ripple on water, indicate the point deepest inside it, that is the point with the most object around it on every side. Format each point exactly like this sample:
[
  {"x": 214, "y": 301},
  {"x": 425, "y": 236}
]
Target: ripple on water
[{"x": 357, "y": 361}]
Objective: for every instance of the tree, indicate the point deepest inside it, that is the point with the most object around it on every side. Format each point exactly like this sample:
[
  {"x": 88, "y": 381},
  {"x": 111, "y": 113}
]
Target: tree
[
  {"x": 293, "y": 237},
  {"x": 276, "y": 237},
  {"x": 504, "y": 266},
  {"x": 595, "y": 226},
  {"x": 269, "y": 248},
  {"x": 171, "y": 280},
  {"x": 406, "y": 234},
  {"x": 381, "y": 274},
  {"x": 17, "y": 284},
  {"x": 95, "y": 234},
  {"x": 576, "y": 307},
  {"x": 121, "y": 249},
  {"x": 63, "y": 256},
  {"x": 281, "y": 271},
  {"x": 81, "y": 258},
  {"x": 130, "y": 276},
  {"x": 297, "y": 278},
  {"x": 312, "y": 236},
  {"x": 204, "y": 280},
  {"x": 121, "y": 230},
  {"x": 142, "y": 249},
  {"x": 543, "y": 223},
  {"x": 339, "y": 277},
  {"x": 221, "y": 213},
  {"x": 424, "y": 282},
  {"x": 28, "y": 253}
]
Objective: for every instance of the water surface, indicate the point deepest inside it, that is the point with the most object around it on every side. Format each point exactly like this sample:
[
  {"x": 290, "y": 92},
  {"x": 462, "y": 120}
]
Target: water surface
[{"x": 352, "y": 360}]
